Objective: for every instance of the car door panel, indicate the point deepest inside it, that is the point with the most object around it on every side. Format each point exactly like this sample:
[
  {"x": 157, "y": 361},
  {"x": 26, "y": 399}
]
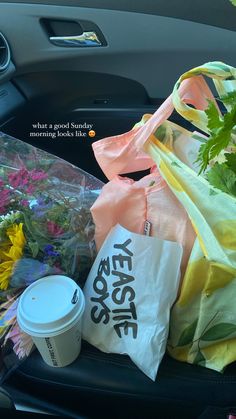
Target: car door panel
[{"x": 141, "y": 47}]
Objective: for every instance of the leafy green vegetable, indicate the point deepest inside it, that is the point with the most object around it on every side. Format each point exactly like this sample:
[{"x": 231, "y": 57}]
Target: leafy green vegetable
[
  {"x": 231, "y": 161},
  {"x": 222, "y": 131},
  {"x": 220, "y": 128},
  {"x": 223, "y": 178},
  {"x": 214, "y": 118},
  {"x": 230, "y": 98}
]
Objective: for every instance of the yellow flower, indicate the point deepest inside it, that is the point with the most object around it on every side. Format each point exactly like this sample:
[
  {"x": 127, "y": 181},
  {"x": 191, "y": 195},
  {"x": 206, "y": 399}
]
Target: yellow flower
[{"x": 10, "y": 253}]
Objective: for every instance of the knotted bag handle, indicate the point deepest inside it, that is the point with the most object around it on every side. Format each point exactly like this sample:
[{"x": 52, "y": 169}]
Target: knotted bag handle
[
  {"x": 124, "y": 153},
  {"x": 224, "y": 79}
]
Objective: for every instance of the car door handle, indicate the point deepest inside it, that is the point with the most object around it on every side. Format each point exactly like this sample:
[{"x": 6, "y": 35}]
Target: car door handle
[{"x": 87, "y": 39}]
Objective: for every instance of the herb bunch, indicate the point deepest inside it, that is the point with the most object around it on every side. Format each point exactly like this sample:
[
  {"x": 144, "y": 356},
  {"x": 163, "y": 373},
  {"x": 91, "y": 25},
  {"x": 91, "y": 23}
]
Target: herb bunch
[{"x": 217, "y": 156}]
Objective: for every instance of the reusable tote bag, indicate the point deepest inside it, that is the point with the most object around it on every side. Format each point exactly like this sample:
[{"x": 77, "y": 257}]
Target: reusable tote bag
[
  {"x": 203, "y": 320},
  {"x": 147, "y": 206}
]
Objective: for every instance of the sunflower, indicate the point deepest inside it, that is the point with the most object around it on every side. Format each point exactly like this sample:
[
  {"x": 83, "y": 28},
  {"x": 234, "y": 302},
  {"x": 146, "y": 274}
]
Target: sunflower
[{"x": 10, "y": 253}]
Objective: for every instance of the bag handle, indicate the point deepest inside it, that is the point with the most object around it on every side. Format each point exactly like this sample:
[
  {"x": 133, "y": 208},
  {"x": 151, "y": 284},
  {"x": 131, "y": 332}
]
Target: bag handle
[
  {"x": 224, "y": 79},
  {"x": 124, "y": 153}
]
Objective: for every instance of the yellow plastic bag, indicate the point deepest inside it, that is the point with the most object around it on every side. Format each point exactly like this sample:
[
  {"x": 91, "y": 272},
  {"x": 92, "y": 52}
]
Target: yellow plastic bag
[{"x": 203, "y": 320}]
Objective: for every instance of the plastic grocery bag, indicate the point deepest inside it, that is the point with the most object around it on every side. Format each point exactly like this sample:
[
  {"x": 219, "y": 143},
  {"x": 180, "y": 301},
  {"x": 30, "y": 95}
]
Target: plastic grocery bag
[
  {"x": 203, "y": 321},
  {"x": 148, "y": 201},
  {"x": 129, "y": 292}
]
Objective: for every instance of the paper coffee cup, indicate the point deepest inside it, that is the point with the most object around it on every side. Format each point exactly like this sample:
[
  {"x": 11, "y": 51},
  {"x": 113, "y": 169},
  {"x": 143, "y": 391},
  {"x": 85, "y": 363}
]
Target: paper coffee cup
[{"x": 50, "y": 311}]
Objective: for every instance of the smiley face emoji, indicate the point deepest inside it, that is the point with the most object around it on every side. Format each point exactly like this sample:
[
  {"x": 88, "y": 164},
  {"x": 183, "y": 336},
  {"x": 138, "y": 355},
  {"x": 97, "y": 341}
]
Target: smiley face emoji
[{"x": 92, "y": 133}]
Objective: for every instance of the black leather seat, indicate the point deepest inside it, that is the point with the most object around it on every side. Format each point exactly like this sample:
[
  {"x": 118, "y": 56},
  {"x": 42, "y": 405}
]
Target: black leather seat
[
  {"x": 111, "y": 386},
  {"x": 6, "y": 401}
]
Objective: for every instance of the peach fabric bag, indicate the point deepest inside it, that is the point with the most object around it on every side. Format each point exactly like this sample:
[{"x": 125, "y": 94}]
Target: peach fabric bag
[{"x": 147, "y": 206}]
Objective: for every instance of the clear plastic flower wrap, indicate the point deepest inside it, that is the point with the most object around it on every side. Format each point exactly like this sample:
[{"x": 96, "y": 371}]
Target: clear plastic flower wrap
[{"x": 45, "y": 228}]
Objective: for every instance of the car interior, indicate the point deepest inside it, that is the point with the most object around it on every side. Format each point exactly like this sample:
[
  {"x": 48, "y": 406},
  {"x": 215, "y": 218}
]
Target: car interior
[{"x": 67, "y": 66}]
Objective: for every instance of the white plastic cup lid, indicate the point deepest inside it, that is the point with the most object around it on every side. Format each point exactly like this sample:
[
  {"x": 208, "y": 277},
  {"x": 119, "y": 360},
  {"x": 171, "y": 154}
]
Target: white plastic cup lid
[{"x": 50, "y": 305}]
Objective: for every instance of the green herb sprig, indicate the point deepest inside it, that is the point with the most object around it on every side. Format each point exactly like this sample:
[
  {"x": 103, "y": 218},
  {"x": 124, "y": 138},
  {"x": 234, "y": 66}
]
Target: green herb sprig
[{"x": 222, "y": 129}]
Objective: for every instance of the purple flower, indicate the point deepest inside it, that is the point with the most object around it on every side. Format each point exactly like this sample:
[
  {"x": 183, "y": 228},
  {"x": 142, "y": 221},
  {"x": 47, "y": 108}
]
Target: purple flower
[
  {"x": 50, "y": 252},
  {"x": 41, "y": 207}
]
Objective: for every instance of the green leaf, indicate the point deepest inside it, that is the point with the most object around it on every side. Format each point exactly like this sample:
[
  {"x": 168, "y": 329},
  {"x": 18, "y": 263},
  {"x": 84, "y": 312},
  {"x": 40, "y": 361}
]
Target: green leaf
[
  {"x": 34, "y": 247},
  {"x": 230, "y": 98},
  {"x": 220, "y": 130},
  {"x": 219, "y": 331},
  {"x": 231, "y": 161},
  {"x": 218, "y": 142},
  {"x": 33, "y": 229},
  {"x": 223, "y": 178},
  {"x": 199, "y": 359},
  {"x": 188, "y": 334},
  {"x": 214, "y": 118},
  {"x": 233, "y": 2},
  {"x": 223, "y": 135}
]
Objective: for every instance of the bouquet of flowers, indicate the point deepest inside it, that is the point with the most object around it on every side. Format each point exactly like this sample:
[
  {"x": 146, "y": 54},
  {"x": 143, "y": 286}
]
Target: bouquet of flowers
[{"x": 45, "y": 227}]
